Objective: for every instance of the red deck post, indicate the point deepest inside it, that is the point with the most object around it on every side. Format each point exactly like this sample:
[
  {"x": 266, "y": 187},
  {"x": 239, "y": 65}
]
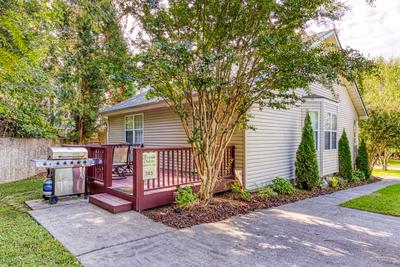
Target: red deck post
[
  {"x": 138, "y": 184},
  {"x": 108, "y": 159}
]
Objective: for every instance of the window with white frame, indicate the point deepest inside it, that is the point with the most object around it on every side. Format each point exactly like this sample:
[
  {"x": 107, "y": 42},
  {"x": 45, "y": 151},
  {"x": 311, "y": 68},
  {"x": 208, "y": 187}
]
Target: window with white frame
[
  {"x": 314, "y": 116},
  {"x": 134, "y": 129},
  {"x": 330, "y": 129}
]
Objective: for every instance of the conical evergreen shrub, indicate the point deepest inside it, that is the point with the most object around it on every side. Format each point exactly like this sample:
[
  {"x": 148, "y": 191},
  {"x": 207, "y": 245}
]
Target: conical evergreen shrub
[
  {"x": 307, "y": 172},
  {"x": 345, "y": 165},
  {"x": 362, "y": 161}
]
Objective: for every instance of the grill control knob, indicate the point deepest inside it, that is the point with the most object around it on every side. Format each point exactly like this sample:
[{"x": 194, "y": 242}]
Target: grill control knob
[
  {"x": 44, "y": 164},
  {"x": 71, "y": 162},
  {"x": 65, "y": 163},
  {"x": 78, "y": 162},
  {"x": 84, "y": 162}
]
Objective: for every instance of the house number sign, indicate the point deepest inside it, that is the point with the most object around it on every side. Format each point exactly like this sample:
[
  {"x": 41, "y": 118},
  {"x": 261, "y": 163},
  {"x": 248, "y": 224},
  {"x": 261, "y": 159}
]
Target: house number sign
[{"x": 150, "y": 165}]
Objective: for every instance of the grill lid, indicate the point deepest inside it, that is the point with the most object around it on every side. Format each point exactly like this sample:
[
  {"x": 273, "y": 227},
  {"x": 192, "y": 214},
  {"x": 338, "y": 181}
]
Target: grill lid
[{"x": 67, "y": 153}]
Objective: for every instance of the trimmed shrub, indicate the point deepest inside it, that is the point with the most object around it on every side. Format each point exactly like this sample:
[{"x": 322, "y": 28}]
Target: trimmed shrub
[
  {"x": 238, "y": 188},
  {"x": 282, "y": 186},
  {"x": 362, "y": 161},
  {"x": 185, "y": 197},
  {"x": 345, "y": 166},
  {"x": 358, "y": 175},
  {"x": 266, "y": 192},
  {"x": 307, "y": 172}
]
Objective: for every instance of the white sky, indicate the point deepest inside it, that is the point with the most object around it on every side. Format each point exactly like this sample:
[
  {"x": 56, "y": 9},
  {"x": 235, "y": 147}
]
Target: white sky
[{"x": 374, "y": 30}]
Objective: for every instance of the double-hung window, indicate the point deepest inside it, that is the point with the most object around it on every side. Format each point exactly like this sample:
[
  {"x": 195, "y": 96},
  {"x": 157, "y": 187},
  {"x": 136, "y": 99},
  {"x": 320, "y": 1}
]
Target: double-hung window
[
  {"x": 330, "y": 130},
  {"x": 314, "y": 116},
  {"x": 134, "y": 129}
]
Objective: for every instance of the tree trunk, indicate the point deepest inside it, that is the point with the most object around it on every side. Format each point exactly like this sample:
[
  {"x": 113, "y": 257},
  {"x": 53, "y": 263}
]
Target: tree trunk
[{"x": 208, "y": 166}]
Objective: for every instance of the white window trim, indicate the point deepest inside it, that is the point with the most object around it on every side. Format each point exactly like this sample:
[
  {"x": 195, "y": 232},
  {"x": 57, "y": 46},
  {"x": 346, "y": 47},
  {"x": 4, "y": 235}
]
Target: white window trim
[
  {"x": 331, "y": 131},
  {"x": 133, "y": 126},
  {"x": 319, "y": 127}
]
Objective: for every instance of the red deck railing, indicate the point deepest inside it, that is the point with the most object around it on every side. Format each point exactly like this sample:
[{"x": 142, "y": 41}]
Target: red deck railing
[{"x": 176, "y": 169}]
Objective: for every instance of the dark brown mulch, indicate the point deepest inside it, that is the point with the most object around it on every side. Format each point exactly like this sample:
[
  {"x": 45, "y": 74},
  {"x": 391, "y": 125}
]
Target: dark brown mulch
[{"x": 226, "y": 205}]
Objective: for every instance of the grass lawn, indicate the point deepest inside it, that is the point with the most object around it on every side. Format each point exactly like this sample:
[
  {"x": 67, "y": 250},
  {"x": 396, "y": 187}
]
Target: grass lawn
[
  {"x": 394, "y": 162},
  {"x": 385, "y": 201},
  {"x": 388, "y": 173},
  {"x": 23, "y": 242}
]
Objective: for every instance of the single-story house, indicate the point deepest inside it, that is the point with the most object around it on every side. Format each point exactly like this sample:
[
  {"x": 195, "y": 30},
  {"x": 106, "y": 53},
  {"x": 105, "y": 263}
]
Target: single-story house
[{"x": 264, "y": 153}]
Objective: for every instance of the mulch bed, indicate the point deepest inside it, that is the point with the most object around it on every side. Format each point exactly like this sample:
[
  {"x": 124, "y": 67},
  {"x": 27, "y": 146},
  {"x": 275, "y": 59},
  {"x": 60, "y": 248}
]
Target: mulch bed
[{"x": 226, "y": 205}]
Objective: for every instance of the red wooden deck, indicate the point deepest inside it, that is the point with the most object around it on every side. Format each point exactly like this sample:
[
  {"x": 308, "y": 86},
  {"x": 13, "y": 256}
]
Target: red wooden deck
[{"x": 175, "y": 169}]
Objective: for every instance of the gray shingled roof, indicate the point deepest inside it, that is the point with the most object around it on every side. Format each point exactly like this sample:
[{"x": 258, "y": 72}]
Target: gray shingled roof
[{"x": 137, "y": 100}]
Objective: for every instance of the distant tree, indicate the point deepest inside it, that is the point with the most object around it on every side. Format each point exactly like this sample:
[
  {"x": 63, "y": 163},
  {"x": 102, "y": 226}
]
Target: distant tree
[
  {"x": 362, "y": 161},
  {"x": 345, "y": 164},
  {"x": 307, "y": 172},
  {"x": 381, "y": 132},
  {"x": 211, "y": 61},
  {"x": 381, "y": 93},
  {"x": 94, "y": 64}
]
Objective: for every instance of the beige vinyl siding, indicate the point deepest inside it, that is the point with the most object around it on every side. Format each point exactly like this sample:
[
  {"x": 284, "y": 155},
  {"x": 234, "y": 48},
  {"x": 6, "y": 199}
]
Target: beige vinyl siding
[
  {"x": 320, "y": 90},
  {"x": 162, "y": 127},
  {"x": 116, "y": 130},
  {"x": 271, "y": 148}
]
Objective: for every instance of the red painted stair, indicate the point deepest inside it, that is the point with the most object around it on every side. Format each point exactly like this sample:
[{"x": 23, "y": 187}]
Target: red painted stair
[{"x": 111, "y": 203}]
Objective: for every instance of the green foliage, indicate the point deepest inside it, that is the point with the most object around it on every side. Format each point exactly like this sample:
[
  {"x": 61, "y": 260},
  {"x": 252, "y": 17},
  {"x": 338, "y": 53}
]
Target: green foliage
[
  {"x": 345, "y": 165},
  {"x": 25, "y": 84},
  {"x": 381, "y": 132},
  {"x": 266, "y": 192},
  {"x": 362, "y": 161},
  {"x": 282, "y": 186},
  {"x": 358, "y": 175},
  {"x": 307, "y": 172},
  {"x": 94, "y": 63},
  {"x": 239, "y": 189},
  {"x": 185, "y": 197},
  {"x": 60, "y": 62},
  {"x": 334, "y": 182}
]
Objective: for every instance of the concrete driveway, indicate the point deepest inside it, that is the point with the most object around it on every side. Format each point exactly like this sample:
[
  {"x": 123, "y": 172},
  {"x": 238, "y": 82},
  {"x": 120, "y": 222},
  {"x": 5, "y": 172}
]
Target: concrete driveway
[{"x": 312, "y": 232}]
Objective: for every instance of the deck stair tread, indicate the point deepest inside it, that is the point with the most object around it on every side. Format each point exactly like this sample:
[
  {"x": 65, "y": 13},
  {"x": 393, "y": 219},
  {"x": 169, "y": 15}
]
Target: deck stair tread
[{"x": 111, "y": 203}]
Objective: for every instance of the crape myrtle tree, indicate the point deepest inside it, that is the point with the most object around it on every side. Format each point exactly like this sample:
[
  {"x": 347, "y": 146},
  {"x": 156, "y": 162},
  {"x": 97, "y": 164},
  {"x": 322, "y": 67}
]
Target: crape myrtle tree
[
  {"x": 211, "y": 61},
  {"x": 381, "y": 132}
]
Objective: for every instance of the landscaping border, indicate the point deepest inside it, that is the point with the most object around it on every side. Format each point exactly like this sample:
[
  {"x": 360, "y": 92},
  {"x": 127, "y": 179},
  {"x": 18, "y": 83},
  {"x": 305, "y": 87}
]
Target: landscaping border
[{"x": 226, "y": 205}]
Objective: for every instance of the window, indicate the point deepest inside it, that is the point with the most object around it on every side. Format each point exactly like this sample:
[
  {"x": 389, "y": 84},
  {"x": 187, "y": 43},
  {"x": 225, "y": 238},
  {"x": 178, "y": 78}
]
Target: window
[
  {"x": 314, "y": 116},
  {"x": 134, "y": 129},
  {"x": 330, "y": 126}
]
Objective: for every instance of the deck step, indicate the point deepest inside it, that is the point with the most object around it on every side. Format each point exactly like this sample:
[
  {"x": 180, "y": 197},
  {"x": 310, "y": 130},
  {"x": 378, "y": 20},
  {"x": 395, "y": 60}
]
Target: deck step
[{"x": 111, "y": 203}]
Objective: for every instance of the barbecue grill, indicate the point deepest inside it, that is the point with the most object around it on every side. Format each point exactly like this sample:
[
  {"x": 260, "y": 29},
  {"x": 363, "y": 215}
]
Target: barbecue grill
[{"x": 66, "y": 167}]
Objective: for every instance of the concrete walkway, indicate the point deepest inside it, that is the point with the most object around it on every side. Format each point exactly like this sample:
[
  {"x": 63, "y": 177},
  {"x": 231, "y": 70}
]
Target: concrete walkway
[{"x": 312, "y": 232}]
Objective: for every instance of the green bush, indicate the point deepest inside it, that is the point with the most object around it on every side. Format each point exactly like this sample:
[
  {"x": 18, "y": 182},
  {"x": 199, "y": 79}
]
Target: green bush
[
  {"x": 266, "y": 192},
  {"x": 282, "y": 186},
  {"x": 239, "y": 189},
  {"x": 362, "y": 161},
  {"x": 345, "y": 165},
  {"x": 334, "y": 182},
  {"x": 358, "y": 175},
  {"x": 185, "y": 197},
  {"x": 307, "y": 172}
]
